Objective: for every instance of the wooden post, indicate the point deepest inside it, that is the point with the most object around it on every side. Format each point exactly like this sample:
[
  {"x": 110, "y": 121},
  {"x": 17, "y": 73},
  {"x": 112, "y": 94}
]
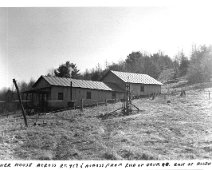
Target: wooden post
[
  {"x": 71, "y": 91},
  {"x": 105, "y": 102},
  {"x": 81, "y": 104},
  {"x": 127, "y": 99},
  {"x": 20, "y": 101},
  {"x": 37, "y": 116},
  {"x": 32, "y": 100}
]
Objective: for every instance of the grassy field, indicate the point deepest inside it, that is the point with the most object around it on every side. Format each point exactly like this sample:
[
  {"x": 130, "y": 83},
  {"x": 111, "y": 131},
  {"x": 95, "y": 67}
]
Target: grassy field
[{"x": 179, "y": 129}]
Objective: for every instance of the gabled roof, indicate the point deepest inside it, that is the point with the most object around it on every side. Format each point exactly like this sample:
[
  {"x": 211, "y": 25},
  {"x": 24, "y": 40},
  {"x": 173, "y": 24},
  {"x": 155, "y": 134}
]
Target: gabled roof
[
  {"x": 87, "y": 84},
  {"x": 136, "y": 78},
  {"x": 115, "y": 87}
]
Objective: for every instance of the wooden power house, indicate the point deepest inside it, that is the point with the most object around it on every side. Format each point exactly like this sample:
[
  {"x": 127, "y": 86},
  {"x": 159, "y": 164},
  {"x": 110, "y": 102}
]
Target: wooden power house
[{"x": 50, "y": 92}]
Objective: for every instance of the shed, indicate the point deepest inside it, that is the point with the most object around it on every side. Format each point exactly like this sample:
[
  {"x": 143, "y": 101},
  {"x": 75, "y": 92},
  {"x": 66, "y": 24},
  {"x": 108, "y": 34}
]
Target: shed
[{"x": 140, "y": 84}]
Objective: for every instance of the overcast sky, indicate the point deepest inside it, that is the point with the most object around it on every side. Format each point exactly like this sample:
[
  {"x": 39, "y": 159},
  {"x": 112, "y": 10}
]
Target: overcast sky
[{"x": 34, "y": 40}]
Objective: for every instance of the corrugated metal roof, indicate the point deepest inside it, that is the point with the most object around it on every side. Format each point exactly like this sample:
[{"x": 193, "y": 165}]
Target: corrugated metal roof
[
  {"x": 136, "y": 78},
  {"x": 88, "y": 84}
]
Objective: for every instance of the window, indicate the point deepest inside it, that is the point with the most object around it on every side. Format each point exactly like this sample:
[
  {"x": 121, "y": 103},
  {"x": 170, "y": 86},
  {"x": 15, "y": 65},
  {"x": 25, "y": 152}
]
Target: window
[
  {"x": 60, "y": 96},
  {"x": 88, "y": 96},
  {"x": 142, "y": 88}
]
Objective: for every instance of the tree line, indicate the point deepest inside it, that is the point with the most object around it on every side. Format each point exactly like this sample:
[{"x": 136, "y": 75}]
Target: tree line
[
  {"x": 196, "y": 68},
  {"x": 135, "y": 62}
]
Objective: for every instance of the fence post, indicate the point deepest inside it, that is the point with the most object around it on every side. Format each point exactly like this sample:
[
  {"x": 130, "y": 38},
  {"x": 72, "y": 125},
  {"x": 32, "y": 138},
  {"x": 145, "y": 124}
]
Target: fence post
[
  {"x": 105, "y": 102},
  {"x": 20, "y": 101},
  {"x": 82, "y": 105}
]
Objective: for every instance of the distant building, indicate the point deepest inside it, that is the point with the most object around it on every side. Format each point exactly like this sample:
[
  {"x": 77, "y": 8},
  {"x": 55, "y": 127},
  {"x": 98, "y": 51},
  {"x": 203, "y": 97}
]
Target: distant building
[
  {"x": 56, "y": 92},
  {"x": 140, "y": 84}
]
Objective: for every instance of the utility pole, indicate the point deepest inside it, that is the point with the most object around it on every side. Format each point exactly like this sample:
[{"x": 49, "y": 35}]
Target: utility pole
[
  {"x": 127, "y": 98},
  {"x": 20, "y": 101}
]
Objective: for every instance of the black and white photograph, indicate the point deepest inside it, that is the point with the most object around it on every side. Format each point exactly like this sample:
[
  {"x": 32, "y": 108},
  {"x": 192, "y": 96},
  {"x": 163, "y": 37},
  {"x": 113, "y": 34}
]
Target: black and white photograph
[{"x": 106, "y": 82}]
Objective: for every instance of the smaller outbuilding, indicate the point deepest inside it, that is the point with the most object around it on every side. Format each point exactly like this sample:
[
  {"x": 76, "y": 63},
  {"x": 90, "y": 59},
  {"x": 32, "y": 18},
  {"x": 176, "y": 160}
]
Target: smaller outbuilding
[{"x": 140, "y": 84}]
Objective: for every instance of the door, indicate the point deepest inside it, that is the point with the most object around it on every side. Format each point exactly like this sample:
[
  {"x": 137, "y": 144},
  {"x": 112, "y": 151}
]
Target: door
[{"x": 43, "y": 101}]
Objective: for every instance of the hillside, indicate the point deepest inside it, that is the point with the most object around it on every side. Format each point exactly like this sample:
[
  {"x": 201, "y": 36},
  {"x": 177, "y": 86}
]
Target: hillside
[{"x": 180, "y": 129}]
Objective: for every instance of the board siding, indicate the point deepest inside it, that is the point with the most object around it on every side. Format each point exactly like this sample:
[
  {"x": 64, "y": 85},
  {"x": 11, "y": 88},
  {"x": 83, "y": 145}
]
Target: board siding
[
  {"x": 148, "y": 89},
  {"x": 78, "y": 94}
]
